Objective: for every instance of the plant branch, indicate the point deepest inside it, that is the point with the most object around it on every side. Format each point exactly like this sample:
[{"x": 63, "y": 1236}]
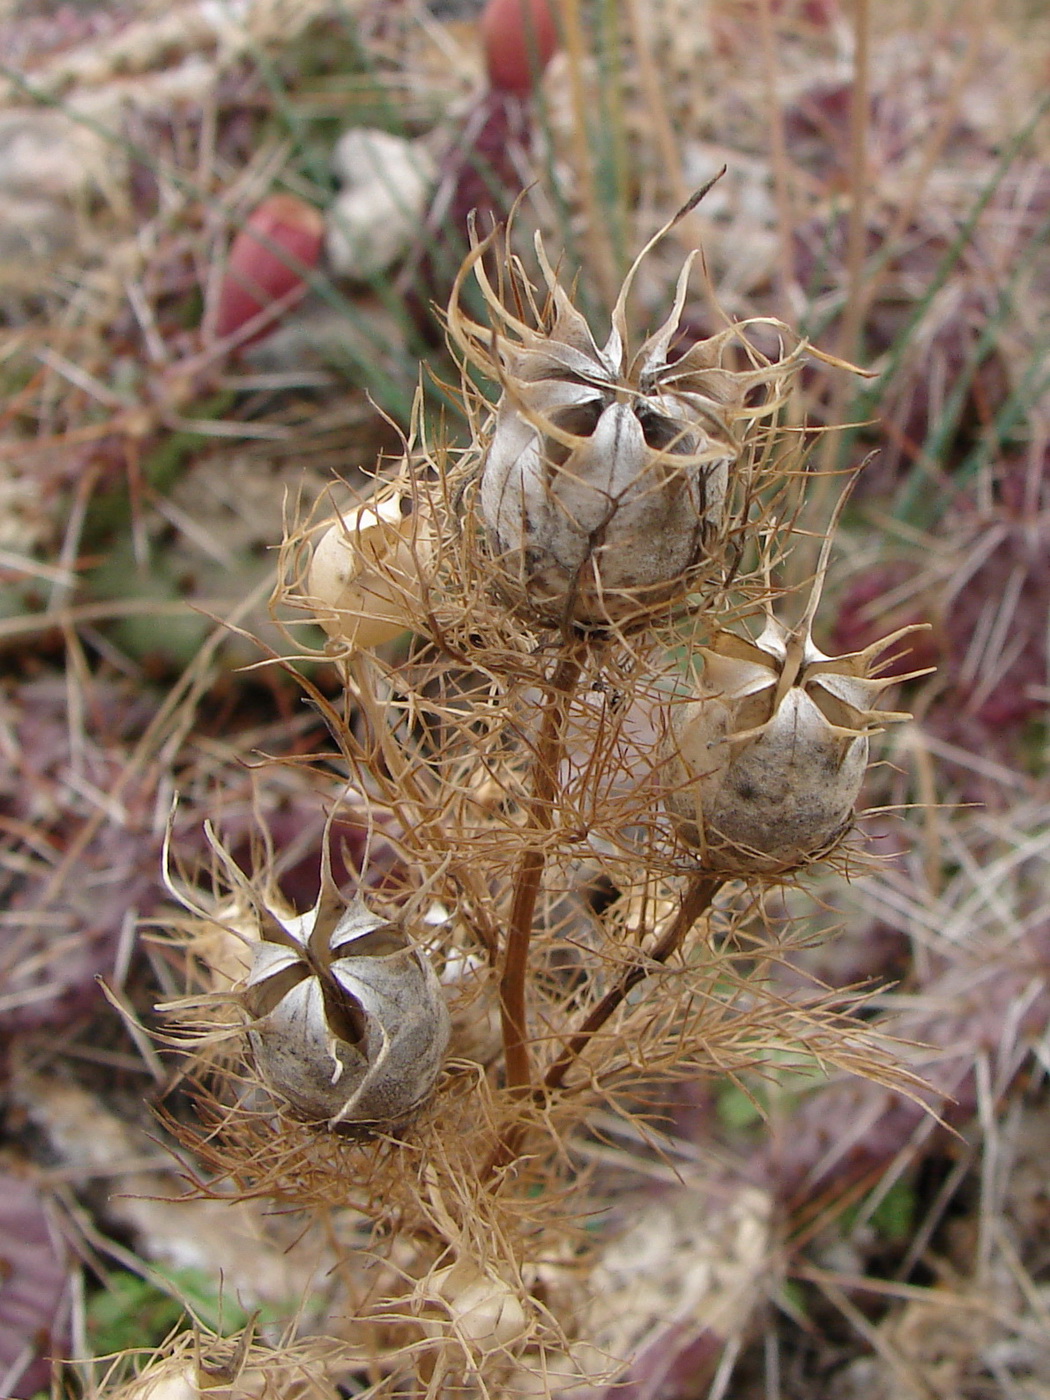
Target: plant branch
[
  {"x": 513, "y": 980},
  {"x": 696, "y": 900}
]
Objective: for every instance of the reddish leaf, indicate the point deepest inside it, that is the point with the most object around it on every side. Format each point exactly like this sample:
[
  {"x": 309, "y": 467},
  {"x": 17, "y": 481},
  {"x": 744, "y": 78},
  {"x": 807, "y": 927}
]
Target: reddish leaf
[{"x": 33, "y": 1275}]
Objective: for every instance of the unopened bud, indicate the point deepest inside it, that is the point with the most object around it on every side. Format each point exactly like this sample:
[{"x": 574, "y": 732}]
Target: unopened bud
[
  {"x": 364, "y": 577},
  {"x": 482, "y": 1309}
]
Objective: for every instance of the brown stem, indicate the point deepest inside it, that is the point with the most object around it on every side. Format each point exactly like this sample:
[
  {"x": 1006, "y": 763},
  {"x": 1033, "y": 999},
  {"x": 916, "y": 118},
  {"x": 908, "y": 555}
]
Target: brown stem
[
  {"x": 696, "y": 900},
  {"x": 514, "y": 977}
]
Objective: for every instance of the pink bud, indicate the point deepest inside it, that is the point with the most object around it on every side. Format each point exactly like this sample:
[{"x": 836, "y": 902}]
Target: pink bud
[
  {"x": 519, "y": 37},
  {"x": 281, "y": 236}
]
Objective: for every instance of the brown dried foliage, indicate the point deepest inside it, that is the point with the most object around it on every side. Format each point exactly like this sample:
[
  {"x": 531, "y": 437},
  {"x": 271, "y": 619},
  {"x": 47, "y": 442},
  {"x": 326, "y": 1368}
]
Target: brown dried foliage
[{"x": 515, "y": 766}]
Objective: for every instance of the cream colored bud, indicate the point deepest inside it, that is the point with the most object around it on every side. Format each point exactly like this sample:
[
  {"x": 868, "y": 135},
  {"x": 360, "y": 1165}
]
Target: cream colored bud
[
  {"x": 177, "y": 1378},
  {"x": 482, "y": 1309},
  {"x": 349, "y": 1021},
  {"x": 364, "y": 575},
  {"x": 173, "y": 1380}
]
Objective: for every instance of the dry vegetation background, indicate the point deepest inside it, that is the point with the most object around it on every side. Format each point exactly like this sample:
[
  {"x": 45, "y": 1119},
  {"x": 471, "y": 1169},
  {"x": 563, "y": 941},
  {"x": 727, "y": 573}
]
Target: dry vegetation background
[{"x": 782, "y": 1232}]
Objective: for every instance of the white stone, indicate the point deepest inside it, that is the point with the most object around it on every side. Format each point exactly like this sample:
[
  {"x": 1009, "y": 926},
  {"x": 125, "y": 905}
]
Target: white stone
[
  {"x": 373, "y": 221},
  {"x": 49, "y": 155}
]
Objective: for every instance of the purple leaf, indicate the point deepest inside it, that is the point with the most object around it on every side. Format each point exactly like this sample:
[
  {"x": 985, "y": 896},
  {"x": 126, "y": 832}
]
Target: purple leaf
[{"x": 34, "y": 1314}]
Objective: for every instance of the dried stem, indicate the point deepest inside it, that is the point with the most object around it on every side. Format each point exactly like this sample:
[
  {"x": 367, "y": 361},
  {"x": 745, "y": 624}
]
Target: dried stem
[
  {"x": 857, "y": 298},
  {"x": 695, "y": 901},
  {"x": 544, "y": 784},
  {"x": 778, "y": 150},
  {"x": 596, "y": 224},
  {"x": 860, "y": 121}
]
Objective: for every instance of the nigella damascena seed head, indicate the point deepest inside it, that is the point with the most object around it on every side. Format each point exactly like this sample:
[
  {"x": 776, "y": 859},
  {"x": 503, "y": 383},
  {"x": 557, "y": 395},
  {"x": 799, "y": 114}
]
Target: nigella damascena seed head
[
  {"x": 765, "y": 763},
  {"x": 609, "y": 474},
  {"x": 349, "y": 1023}
]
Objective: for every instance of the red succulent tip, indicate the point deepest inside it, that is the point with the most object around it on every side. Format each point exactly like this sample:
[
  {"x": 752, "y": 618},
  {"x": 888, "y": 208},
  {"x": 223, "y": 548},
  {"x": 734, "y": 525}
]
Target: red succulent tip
[
  {"x": 519, "y": 37},
  {"x": 281, "y": 238}
]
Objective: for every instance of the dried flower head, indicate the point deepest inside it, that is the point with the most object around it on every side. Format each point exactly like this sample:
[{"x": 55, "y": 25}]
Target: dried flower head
[
  {"x": 349, "y": 1021},
  {"x": 610, "y": 477},
  {"x": 767, "y": 762}
]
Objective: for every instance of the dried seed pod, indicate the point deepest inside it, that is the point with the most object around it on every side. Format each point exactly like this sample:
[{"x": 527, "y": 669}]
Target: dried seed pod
[
  {"x": 605, "y": 486},
  {"x": 349, "y": 1021},
  {"x": 766, "y": 763},
  {"x": 364, "y": 575}
]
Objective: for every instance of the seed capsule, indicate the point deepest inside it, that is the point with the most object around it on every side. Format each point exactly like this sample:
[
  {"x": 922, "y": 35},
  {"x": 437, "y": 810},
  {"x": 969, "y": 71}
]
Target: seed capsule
[
  {"x": 766, "y": 763},
  {"x": 605, "y": 486},
  {"x": 349, "y": 1021}
]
